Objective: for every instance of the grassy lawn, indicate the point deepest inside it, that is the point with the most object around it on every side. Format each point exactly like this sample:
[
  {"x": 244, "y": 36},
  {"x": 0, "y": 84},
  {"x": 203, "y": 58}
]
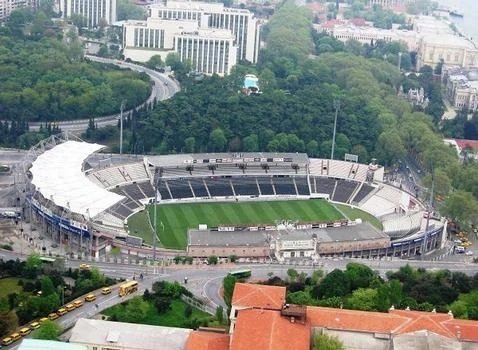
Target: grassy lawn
[
  {"x": 9, "y": 285},
  {"x": 175, "y": 219},
  {"x": 173, "y": 318},
  {"x": 353, "y": 213}
]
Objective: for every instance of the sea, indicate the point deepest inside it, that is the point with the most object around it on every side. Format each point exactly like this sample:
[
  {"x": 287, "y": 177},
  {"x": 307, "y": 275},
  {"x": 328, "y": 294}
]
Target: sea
[{"x": 468, "y": 24}]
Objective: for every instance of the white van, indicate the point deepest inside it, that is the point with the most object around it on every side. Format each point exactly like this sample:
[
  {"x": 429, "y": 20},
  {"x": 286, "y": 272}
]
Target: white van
[{"x": 460, "y": 249}]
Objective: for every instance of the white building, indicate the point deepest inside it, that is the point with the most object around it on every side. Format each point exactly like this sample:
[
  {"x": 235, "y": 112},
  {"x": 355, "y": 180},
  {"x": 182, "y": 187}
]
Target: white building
[
  {"x": 7, "y": 6},
  {"x": 389, "y": 3},
  {"x": 439, "y": 43},
  {"x": 94, "y": 11},
  {"x": 209, "y": 50},
  {"x": 241, "y": 23},
  {"x": 214, "y": 38},
  {"x": 98, "y": 334},
  {"x": 461, "y": 87},
  {"x": 367, "y": 34}
]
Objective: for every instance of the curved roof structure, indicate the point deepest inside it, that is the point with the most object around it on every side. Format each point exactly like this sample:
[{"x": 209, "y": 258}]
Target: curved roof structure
[{"x": 58, "y": 176}]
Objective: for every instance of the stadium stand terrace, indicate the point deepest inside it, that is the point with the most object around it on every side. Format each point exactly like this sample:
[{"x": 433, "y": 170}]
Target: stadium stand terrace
[{"x": 99, "y": 192}]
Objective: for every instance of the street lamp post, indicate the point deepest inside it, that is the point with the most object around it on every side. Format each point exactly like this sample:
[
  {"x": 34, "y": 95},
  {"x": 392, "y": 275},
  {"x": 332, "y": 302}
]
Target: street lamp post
[
  {"x": 121, "y": 126},
  {"x": 337, "y": 108}
]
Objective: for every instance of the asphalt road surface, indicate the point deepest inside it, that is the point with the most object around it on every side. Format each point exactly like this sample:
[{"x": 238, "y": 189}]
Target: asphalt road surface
[{"x": 205, "y": 281}]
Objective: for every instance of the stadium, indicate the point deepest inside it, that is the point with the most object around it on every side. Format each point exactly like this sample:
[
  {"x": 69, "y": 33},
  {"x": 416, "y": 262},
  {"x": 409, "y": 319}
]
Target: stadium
[{"x": 254, "y": 205}]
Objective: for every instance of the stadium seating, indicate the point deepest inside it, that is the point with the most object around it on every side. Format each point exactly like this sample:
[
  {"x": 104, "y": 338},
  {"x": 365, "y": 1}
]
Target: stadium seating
[
  {"x": 198, "y": 187},
  {"x": 344, "y": 190},
  {"x": 245, "y": 186},
  {"x": 364, "y": 191},
  {"x": 403, "y": 225},
  {"x": 164, "y": 190},
  {"x": 114, "y": 176},
  {"x": 324, "y": 185},
  {"x": 302, "y": 185},
  {"x": 147, "y": 189},
  {"x": 179, "y": 188},
  {"x": 265, "y": 186},
  {"x": 284, "y": 186},
  {"x": 219, "y": 187}
]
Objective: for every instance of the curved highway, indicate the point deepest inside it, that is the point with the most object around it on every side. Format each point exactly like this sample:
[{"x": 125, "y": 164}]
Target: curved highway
[{"x": 163, "y": 88}]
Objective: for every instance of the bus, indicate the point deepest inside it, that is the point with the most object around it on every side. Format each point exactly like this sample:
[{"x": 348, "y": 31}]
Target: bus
[
  {"x": 128, "y": 288},
  {"x": 241, "y": 274}
]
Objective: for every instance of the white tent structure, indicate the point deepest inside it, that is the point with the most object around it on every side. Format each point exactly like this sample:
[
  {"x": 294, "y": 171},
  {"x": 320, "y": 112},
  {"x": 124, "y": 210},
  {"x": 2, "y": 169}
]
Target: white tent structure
[{"x": 58, "y": 176}]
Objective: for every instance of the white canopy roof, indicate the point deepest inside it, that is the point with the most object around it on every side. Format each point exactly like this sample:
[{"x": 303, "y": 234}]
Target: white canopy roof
[{"x": 58, "y": 176}]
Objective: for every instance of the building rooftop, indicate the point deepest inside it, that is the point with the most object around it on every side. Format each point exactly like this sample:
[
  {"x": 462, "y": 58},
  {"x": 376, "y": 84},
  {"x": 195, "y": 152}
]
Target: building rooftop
[
  {"x": 258, "y": 296},
  {"x": 267, "y": 330},
  {"x": 202, "y": 340},
  {"x": 36, "y": 344},
  {"x": 396, "y": 322},
  {"x": 129, "y": 335}
]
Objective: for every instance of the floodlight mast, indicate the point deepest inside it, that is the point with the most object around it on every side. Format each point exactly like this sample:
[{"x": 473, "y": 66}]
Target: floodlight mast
[
  {"x": 121, "y": 126},
  {"x": 337, "y": 108}
]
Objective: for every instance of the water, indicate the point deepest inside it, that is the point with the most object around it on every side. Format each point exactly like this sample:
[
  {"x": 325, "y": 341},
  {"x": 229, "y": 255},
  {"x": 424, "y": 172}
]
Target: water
[{"x": 468, "y": 24}]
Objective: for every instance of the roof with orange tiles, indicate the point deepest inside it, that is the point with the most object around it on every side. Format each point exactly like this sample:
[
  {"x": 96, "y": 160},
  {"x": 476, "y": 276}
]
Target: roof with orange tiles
[
  {"x": 268, "y": 330},
  {"x": 201, "y": 340},
  {"x": 353, "y": 320},
  {"x": 465, "y": 330},
  {"x": 394, "y": 322},
  {"x": 258, "y": 296}
]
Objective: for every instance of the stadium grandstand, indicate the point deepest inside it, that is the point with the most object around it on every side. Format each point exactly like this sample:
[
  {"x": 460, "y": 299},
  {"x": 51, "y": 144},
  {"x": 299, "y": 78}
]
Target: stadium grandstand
[{"x": 84, "y": 198}]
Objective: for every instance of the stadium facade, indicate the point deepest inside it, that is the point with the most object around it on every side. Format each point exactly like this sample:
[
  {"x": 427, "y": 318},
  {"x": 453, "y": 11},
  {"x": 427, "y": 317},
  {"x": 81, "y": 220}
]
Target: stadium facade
[{"x": 83, "y": 199}]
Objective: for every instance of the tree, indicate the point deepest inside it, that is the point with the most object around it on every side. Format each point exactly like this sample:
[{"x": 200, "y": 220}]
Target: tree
[
  {"x": 8, "y": 318},
  {"x": 363, "y": 299},
  {"x": 48, "y": 330},
  {"x": 251, "y": 143},
  {"x": 389, "y": 147},
  {"x": 127, "y": 9},
  {"x": 335, "y": 284},
  {"x": 135, "y": 311},
  {"x": 292, "y": 274},
  {"x": 212, "y": 260},
  {"x": 359, "y": 275},
  {"x": 155, "y": 62},
  {"x": 228, "y": 284},
  {"x": 461, "y": 207},
  {"x": 190, "y": 144},
  {"x": 220, "y": 314},
  {"x": 299, "y": 298},
  {"x": 218, "y": 140},
  {"x": 327, "y": 342}
]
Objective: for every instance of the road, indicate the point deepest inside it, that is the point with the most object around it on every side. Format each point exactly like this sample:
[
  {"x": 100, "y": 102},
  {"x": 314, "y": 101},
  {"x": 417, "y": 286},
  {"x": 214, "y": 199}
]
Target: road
[
  {"x": 163, "y": 88},
  {"x": 205, "y": 281}
]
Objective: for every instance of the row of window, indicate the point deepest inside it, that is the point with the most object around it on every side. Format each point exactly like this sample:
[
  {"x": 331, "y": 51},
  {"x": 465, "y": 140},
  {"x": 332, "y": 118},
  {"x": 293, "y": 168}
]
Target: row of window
[
  {"x": 147, "y": 37},
  {"x": 208, "y": 56},
  {"x": 172, "y": 14},
  {"x": 93, "y": 10}
]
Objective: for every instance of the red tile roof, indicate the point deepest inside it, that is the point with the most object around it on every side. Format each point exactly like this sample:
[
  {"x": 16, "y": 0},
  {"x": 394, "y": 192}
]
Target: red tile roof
[
  {"x": 395, "y": 322},
  {"x": 464, "y": 143},
  {"x": 258, "y": 296},
  {"x": 267, "y": 330},
  {"x": 466, "y": 330},
  {"x": 353, "y": 320},
  {"x": 200, "y": 340}
]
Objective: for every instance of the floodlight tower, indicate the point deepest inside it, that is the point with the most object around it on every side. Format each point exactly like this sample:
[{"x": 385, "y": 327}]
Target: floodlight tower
[{"x": 337, "y": 108}]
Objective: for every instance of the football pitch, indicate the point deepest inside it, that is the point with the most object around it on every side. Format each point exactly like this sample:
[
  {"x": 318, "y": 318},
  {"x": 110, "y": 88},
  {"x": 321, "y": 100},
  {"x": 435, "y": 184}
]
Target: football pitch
[{"x": 174, "y": 220}]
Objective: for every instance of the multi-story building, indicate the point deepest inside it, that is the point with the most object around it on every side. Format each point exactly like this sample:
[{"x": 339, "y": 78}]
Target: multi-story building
[
  {"x": 439, "y": 43},
  {"x": 461, "y": 87},
  {"x": 95, "y": 12},
  {"x": 212, "y": 37},
  {"x": 367, "y": 34},
  {"x": 209, "y": 50},
  {"x": 241, "y": 23},
  {"x": 7, "y": 6},
  {"x": 389, "y": 3}
]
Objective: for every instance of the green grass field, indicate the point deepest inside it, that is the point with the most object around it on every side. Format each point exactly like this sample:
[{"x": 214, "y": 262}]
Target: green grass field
[
  {"x": 176, "y": 219},
  {"x": 354, "y": 213},
  {"x": 9, "y": 285}
]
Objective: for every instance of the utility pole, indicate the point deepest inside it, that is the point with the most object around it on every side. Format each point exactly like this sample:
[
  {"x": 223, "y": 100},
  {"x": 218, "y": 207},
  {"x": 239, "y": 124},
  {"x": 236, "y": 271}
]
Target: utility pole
[
  {"x": 337, "y": 108},
  {"x": 121, "y": 126},
  {"x": 155, "y": 218}
]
